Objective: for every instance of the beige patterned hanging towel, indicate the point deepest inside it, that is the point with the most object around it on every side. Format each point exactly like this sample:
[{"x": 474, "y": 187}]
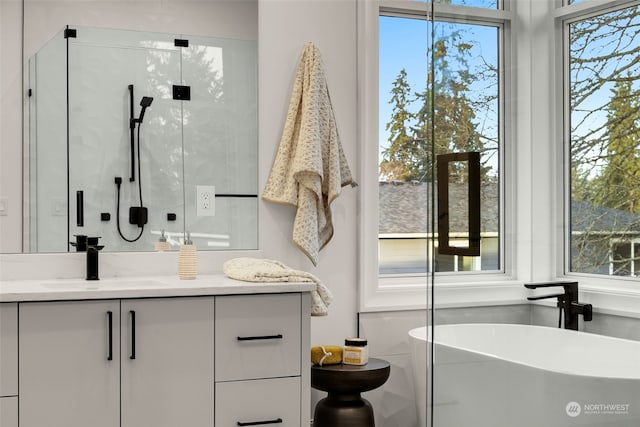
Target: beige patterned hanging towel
[{"x": 310, "y": 167}]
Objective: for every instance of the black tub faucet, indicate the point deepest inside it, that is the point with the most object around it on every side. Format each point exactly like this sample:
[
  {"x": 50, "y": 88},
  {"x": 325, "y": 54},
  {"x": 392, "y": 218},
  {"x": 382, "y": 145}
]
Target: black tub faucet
[
  {"x": 92, "y": 258},
  {"x": 567, "y": 302}
]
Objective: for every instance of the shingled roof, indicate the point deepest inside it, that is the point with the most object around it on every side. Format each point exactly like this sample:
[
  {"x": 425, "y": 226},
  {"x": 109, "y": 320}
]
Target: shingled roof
[
  {"x": 590, "y": 218},
  {"x": 403, "y": 207}
]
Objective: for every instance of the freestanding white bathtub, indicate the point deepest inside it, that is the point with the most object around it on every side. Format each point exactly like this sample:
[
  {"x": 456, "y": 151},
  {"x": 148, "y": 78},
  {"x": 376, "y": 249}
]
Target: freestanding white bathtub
[{"x": 503, "y": 375}]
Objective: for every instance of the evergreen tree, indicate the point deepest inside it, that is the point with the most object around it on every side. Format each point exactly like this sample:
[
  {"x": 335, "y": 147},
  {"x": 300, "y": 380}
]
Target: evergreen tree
[
  {"x": 447, "y": 115},
  {"x": 603, "y": 49},
  {"x": 401, "y": 159},
  {"x": 618, "y": 186}
]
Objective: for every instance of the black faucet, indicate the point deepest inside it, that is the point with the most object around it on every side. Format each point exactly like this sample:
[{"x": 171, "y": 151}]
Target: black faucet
[
  {"x": 567, "y": 302},
  {"x": 92, "y": 258},
  {"x": 81, "y": 243}
]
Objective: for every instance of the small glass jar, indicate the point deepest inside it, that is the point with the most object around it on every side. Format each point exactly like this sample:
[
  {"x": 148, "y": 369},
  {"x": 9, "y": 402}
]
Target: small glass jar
[{"x": 355, "y": 351}]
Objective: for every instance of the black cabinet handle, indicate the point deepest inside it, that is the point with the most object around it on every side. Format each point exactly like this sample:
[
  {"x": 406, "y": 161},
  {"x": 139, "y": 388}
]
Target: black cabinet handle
[
  {"x": 110, "y": 321},
  {"x": 261, "y": 337},
  {"x": 259, "y": 423},
  {"x": 79, "y": 208},
  {"x": 133, "y": 335}
]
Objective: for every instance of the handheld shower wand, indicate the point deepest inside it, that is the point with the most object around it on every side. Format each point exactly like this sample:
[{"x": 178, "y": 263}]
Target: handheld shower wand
[
  {"x": 137, "y": 215},
  {"x": 144, "y": 103}
]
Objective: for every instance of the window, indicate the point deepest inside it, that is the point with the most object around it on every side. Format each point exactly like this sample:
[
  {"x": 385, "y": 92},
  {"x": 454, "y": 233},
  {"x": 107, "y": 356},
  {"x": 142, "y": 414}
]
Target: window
[
  {"x": 456, "y": 89},
  {"x": 603, "y": 132},
  {"x": 492, "y": 4},
  {"x": 625, "y": 259}
]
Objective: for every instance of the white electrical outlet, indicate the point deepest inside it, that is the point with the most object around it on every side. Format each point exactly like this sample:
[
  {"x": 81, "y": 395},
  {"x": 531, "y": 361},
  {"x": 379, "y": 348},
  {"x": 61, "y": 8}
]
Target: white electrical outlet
[
  {"x": 58, "y": 206},
  {"x": 205, "y": 200}
]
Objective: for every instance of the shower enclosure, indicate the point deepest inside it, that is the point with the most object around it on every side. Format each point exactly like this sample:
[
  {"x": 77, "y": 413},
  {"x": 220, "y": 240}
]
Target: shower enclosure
[
  {"x": 134, "y": 134},
  {"x": 441, "y": 120},
  {"x": 466, "y": 109}
]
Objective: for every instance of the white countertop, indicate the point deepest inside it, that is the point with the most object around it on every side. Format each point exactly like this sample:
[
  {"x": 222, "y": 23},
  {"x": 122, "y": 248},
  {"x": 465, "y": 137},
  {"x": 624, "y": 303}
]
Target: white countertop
[{"x": 138, "y": 287}]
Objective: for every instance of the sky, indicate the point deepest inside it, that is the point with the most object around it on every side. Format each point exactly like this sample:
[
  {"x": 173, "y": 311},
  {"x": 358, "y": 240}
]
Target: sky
[{"x": 403, "y": 43}]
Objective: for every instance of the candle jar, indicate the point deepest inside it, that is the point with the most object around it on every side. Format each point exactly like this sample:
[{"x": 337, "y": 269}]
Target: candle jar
[{"x": 355, "y": 351}]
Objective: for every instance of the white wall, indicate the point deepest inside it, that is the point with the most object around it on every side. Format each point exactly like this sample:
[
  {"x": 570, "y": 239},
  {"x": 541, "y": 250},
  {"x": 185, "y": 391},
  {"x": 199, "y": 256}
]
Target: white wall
[
  {"x": 11, "y": 124},
  {"x": 285, "y": 26}
]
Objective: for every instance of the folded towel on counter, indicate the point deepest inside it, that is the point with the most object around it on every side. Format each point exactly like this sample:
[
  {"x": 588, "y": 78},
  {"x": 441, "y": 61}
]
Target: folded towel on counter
[
  {"x": 310, "y": 167},
  {"x": 268, "y": 270}
]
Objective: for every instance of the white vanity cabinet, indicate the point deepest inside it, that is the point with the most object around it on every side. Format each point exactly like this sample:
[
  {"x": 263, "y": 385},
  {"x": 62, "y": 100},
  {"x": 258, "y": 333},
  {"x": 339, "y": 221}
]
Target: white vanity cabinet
[
  {"x": 69, "y": 364},
  {"x": 167, "y": 362},
  {"x": 157, "y": 352},
  {"x": 259, "y": 402},
  {"x": 133, "y": 363},
  {"x": 9, "y": 365},
  {"x": 261, "y": 371}
]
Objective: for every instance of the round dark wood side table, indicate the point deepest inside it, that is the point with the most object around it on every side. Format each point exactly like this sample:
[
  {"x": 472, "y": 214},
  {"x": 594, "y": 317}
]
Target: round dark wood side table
[{"x": 343, "y": 406}]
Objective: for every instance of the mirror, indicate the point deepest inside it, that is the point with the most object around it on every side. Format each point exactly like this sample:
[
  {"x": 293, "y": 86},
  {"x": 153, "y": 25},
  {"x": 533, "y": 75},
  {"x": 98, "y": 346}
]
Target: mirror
[{"x": 133, "y": 132}]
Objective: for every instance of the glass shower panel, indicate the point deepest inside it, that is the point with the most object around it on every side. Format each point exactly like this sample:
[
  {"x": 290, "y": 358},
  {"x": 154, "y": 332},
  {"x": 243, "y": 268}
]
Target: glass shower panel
[
  {"x": 102, "y": 66},
  {"x": 47, "y": 214},
  {"x": 465, "y": 136},
  {"x": 467, "y": 119},
  {"x": 406, "y": 179},
  {"x": 220, "y": 132},
  {"x": 121, "y": 118}
]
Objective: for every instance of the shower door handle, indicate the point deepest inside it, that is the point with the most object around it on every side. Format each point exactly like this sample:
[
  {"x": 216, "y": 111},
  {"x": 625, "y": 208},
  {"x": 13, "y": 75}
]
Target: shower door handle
[{"x": 473, "y": 191}]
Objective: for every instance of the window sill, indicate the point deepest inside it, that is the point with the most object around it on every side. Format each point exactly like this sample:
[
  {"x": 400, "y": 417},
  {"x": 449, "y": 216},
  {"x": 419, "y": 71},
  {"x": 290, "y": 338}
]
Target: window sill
[
  {"x": 608, "y": 296},
  {"x": 611, "y": 296},
  {"x": 398, "y": 294}
]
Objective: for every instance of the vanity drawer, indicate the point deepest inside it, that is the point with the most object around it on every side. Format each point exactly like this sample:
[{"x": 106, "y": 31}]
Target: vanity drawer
[
  {"x": 257, "y": 336},
  {"x": 258, "y": 401},
  {"x": 8, "y": 349},
  {"x": 9, "y": 411}
]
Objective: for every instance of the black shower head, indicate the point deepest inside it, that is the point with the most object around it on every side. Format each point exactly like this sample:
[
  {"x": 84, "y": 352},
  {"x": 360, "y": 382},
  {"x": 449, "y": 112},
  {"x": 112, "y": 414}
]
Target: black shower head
[{"x": 146, "y": 101}]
